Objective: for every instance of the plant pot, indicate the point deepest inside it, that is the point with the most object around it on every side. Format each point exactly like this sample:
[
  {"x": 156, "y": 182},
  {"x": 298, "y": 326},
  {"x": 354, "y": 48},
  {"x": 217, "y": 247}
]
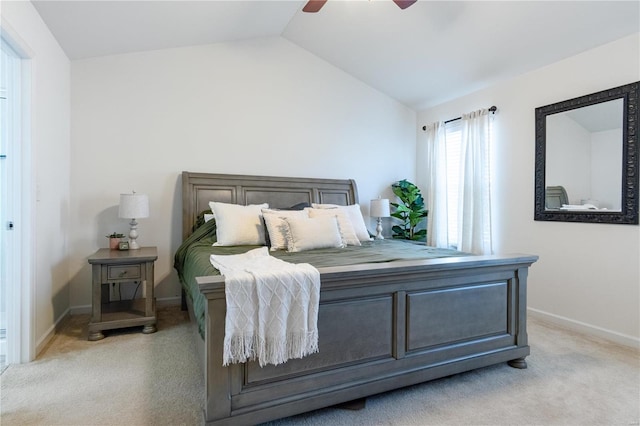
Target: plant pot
[{"x": 113, "y": 243}]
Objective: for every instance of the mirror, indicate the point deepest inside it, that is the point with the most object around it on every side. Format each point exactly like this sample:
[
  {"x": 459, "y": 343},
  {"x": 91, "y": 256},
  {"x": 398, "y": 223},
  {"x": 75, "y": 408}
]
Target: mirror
[{"x": 587, "y": 159}]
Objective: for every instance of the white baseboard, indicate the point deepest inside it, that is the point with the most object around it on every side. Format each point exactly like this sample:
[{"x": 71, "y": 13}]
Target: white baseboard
[
  {"x": 80, "y": 309},
  {"x": 169, "y": 301},
  {"x": 44, "y": 340},
  {"x": 581, "y": 327}
]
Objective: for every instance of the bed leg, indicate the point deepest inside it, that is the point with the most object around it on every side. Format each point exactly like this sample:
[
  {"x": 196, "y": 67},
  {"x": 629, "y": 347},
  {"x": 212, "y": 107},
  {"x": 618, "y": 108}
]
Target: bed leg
[
  {"x": 518, "y": 363},
  {"x": 356, "y": 404}
]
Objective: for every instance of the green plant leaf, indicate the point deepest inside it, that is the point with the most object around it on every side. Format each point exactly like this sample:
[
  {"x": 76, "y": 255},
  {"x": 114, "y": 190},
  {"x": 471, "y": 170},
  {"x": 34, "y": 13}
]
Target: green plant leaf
[{"x": 410, "y": 210}]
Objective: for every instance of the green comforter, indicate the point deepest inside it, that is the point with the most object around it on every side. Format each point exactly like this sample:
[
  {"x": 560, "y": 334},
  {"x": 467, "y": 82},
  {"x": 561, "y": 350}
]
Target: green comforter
[{"x": 192, "y": 258}]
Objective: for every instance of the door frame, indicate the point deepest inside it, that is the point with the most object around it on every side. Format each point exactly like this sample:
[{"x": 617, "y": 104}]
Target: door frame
[{"x": 21, "y": 319}]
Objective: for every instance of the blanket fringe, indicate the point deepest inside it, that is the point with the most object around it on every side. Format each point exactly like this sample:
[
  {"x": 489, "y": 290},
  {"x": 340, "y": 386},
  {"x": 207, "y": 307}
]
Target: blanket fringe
[{"x": 242, "y": 348}]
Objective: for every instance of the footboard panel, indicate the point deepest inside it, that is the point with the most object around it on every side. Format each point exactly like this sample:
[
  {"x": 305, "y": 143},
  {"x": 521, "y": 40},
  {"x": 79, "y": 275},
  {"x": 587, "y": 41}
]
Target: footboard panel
[
  {"x": 444, "y": 316},
  {"x": 380, "y": 328},
  {"x": 369, "y": 322}
]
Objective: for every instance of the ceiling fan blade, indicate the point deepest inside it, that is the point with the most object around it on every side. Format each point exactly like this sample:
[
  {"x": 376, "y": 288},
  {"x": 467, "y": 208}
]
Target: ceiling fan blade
[
  {"x": 313, "y": 5},
  {"x": 403, "y": 4}
]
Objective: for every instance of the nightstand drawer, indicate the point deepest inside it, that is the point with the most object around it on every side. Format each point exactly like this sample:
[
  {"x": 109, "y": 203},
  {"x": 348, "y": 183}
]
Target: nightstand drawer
[{"x": 123, "y": 272}]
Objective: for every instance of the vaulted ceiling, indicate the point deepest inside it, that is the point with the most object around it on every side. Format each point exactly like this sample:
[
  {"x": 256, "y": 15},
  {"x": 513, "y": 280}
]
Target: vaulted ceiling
[{"x": 431, "y": 52}]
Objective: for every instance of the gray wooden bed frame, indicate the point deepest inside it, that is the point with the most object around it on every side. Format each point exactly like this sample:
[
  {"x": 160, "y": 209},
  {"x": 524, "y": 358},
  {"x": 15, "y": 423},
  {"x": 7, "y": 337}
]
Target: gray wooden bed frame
[{"x": 381, "y": 326}]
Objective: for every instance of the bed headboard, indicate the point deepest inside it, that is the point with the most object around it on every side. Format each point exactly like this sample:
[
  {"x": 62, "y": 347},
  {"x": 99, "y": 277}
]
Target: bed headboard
[{"x": 280, "y": 192}]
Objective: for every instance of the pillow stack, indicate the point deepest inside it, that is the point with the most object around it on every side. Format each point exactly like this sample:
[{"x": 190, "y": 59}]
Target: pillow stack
[
  {"x": 355, "y": 216},
  {"x": 321, "y": 226},
  {"x": 344, "y": 223},
  {"x": 313, "y": 233},
  {"x": 277, "y": 226},
  {"x": 238, "y": 225}
]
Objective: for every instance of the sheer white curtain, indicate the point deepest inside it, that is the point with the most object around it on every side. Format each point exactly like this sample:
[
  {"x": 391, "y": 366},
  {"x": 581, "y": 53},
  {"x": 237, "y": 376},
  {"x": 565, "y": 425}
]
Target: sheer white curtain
[
  {"x": 435, "y": 165},
  {"x": 472, "y": 134},
  {"x": 474, "y": 205}
]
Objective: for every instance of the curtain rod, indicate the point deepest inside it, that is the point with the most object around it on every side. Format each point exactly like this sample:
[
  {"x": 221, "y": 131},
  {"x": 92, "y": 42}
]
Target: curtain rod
[{"x": 492, "y": 110}]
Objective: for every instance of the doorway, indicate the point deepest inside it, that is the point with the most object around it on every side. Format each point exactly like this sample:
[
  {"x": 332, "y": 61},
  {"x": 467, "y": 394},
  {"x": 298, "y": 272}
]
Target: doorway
[{"x": 15, "y": 273}]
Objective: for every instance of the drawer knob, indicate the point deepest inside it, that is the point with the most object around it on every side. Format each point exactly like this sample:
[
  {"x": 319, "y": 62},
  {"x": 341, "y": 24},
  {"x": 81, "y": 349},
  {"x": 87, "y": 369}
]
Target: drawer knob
[{"x": 123, "y": 273}]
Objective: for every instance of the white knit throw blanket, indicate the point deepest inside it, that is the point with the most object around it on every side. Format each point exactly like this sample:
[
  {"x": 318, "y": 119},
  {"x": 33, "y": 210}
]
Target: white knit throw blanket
[{"x": 272, "y": 308}]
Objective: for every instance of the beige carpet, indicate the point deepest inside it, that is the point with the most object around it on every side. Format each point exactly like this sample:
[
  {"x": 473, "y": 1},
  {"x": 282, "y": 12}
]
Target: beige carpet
[{"x": 135, "y": 379}]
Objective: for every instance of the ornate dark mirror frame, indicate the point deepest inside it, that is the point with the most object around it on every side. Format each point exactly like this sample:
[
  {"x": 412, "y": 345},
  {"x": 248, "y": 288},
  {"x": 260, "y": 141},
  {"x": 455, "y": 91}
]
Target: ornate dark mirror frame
[{"x": 629, "y": 178}]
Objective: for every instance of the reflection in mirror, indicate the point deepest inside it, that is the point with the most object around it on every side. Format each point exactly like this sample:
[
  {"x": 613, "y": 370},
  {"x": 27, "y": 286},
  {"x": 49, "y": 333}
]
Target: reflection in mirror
[
  {"x": 584, "y": 152},
  {"x": 587, "y": 158}
]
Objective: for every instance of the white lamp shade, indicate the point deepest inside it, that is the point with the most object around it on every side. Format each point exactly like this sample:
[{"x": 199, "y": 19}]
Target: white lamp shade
[
  {"x": 379, "y": 208},
  {"x": 133, "y": 206}
]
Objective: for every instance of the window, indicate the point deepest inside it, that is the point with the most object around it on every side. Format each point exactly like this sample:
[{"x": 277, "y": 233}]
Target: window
[
  {"x": 456, "y": 168},
  {"x": 455, "y": 174}
]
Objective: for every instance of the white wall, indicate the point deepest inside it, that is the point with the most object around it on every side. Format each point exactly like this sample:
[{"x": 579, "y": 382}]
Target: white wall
[
  {"x": 50, "y": 146},
  {"x": 262, "y": 107},
  {"x": 588, "y": 274}
]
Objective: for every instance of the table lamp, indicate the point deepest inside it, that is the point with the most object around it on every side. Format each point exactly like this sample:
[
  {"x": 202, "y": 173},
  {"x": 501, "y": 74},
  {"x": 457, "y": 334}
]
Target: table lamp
[
  {"x": 133, "y": 206},
  {"x": 379, "y": 208}
]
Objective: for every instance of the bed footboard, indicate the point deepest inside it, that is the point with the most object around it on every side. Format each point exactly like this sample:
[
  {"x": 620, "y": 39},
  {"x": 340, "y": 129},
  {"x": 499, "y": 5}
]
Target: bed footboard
[{"x": 381, "y": 327}]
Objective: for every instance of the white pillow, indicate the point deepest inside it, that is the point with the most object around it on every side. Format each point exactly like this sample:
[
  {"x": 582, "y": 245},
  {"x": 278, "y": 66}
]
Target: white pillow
[
  {"x": 344, "y": 222},
  {"x": 238, "y": 225},
  {"x": 277, "y": 227},
  {"x": 208, "y": 217},
  {"x": 355, "y": 215},
  {"x": 311, "y": 233}
]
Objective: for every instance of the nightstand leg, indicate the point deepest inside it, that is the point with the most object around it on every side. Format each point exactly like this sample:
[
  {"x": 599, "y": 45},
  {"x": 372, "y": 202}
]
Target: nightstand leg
[
  {"x": 148, "y": 329},
  {"x": 96, "y": 311},
  {"x": 150, "y": 302},
  {"x": 96, "y": 335}
]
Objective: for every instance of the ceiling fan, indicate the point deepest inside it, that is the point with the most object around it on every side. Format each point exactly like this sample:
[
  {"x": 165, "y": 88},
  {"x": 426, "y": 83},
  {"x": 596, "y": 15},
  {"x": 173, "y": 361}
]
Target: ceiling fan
[{"x": 313, "y": 6}]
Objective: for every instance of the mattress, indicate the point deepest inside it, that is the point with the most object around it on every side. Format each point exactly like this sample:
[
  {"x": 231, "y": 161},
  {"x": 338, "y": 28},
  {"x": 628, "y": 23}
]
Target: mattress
[{"x": 192, "y": 259}]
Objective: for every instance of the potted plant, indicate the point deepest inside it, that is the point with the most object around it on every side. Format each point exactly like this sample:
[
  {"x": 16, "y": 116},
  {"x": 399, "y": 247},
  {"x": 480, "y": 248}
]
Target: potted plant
[
  {"x": 114, "y": 240},
  {"x": 411, "y": 211}
]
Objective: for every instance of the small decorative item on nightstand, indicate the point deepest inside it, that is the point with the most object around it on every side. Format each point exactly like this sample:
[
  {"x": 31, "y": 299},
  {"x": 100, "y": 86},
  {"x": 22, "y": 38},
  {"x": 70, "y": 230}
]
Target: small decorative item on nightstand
[
  {"x": 114, "y": 240},
  {"x": 124, "y": 245}
]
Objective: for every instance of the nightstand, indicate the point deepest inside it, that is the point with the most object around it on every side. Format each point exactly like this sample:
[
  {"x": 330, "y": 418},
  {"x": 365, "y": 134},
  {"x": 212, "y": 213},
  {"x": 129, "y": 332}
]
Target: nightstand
[{"x": 110, "y": 267}]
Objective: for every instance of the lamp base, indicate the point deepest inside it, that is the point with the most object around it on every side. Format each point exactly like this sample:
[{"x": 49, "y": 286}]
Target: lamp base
[
  {"x": 379, "y": 230},
  {"x": 133, "y": 235}
]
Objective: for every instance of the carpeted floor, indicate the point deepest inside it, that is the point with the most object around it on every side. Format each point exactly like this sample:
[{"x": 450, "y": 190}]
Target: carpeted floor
[{"x": 135, "y": 379}]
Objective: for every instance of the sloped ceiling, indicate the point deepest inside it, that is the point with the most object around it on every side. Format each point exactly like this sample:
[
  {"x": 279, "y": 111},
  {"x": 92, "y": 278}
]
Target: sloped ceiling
[{"x": 424, "y": 55}]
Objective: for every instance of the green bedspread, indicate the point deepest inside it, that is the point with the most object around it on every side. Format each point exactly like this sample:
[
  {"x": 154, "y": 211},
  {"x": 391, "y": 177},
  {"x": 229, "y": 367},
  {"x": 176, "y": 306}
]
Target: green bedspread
[{"x": 192, "y": 258}]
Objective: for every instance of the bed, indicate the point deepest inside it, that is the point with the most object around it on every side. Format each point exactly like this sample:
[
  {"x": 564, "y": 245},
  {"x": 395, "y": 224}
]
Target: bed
[{"x": 382, "y": 324}]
